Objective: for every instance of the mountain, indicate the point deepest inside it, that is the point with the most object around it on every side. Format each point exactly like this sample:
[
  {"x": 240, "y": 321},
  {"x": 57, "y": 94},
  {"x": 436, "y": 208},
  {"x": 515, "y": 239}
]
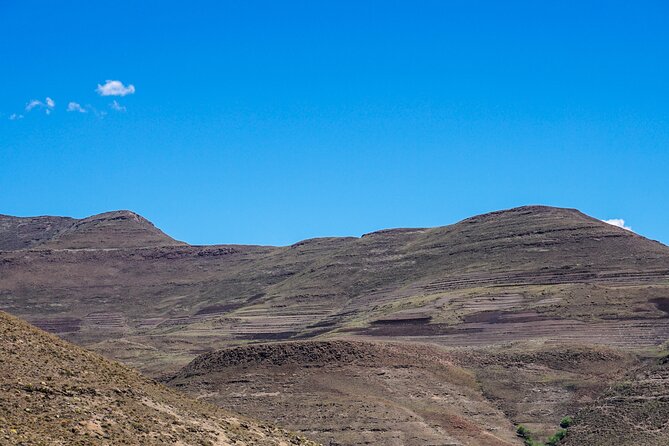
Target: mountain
[
  {"x": 117, "y": 229},
  {"x": 527, "y": 273},
  {"x": 20, "y": 233},
  {"x": 52, "y": 392},
  {"x": 542, "y": 309}
]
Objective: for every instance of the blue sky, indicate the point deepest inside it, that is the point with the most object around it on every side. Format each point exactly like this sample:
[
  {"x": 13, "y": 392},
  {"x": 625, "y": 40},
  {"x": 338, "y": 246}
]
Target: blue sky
[{"x": 271, "y": 122}]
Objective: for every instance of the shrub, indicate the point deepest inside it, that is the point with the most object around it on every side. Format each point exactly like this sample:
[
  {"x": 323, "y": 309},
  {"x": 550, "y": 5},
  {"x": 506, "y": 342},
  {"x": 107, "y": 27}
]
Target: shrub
[
  {"x": 526, "y": 435},
  {"x": 555, "y": 439},
  {"x": 566, "y": 422},
  {"x": 522, "y": 431}
]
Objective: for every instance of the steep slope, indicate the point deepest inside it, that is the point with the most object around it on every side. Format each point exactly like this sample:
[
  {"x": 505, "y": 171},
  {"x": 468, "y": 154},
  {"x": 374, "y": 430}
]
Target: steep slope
[
  {"x": 633, "y": 412},
  {"x": 53, "y": 393}
]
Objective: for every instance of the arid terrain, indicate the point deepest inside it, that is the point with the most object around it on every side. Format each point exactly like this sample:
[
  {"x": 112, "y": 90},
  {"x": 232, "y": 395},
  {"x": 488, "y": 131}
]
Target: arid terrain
[
  {"x": 54, "y": 393},
  {"x": 444, "y": 336}
]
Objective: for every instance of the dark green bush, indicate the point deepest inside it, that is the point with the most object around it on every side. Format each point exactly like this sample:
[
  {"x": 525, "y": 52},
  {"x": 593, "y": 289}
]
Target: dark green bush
[
  {"x": 555, "y": 439},
  {"x": 566, "y": 422},
  {"x": 522, "y": 431},
  {"x": 526, "y": 435}
]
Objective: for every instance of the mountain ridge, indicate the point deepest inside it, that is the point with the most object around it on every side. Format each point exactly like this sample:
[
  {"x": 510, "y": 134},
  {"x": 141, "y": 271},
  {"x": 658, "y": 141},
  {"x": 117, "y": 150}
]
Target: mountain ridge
[
  {"x": 548, "y": 264},
  {"x": 70, "y": 224},
  {"x": 108, "y": 230},
  {"x": 539, "y": 308}
]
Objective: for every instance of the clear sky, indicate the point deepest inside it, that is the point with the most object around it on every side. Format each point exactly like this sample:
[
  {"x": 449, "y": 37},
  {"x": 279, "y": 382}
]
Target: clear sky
[{"x": 271, "y": 122}]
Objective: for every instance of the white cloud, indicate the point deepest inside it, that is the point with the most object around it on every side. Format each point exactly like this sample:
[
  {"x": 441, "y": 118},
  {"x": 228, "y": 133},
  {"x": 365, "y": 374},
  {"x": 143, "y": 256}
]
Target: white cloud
[
  {"x": 47, "y": 105},
  {"x": 14, "y": 117},
  {"x": 116, "y": 106},
  {"x": 74, "y": 107},
  {"x": 617, "y": 222},
  {"x": 114, "y": 88},
  {"x": 32, "y": 104}
]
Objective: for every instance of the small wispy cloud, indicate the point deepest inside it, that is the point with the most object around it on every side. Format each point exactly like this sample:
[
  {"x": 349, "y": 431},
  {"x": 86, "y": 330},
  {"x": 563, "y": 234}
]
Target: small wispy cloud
[
  {"x": 32, "y": 104},
  {"x": 115, "y": 88},
  {"x": 75, "y": 107},
  {"x": 48, "y": 105},
  {"x": 116, "y": 106},
  {"x": 618, "y": 222},
  {"x": 15, "y": 117}
]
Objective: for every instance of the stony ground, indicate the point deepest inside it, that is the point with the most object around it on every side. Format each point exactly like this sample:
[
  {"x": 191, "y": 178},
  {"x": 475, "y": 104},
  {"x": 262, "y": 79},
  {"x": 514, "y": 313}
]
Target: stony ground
[
  {"x": 632, "y": 412},
  {"x": 53, "y": 393}
]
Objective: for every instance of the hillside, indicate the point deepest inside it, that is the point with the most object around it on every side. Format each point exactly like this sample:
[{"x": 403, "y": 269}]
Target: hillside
[
  {"x": 448, "y": 335},
  {"x": 530, "y": 273},
  {"x": 633, "y": 412},
  {"x": 345, "y": 392},
  {"x": 390, "y": 393},
  {"x": 53, "y": 393}
]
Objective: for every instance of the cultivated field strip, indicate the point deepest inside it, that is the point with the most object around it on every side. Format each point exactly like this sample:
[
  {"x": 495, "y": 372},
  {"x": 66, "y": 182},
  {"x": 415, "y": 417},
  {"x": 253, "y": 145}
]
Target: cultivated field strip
[
  {"x": 554, "y": 277},
  {"x": 625, "y": 334}
]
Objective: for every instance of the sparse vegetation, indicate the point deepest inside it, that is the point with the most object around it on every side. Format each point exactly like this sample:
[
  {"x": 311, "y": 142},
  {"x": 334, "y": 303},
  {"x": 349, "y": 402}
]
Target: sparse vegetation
[
  {"x": 103, "y": 402},
  {"x": 553, "y": 440}
]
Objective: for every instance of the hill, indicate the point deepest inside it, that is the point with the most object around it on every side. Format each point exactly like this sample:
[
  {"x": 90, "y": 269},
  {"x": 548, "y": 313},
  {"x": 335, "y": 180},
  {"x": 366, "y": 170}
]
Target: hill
[
  {"x": 543, "y": 310},
  {"x": 54, "y": 393},
  {"x": 530, "y": 273},
  {"x": 343, "y": 392},
  {"x": 117, "y": 229},
  {"x": 390, "y": 393}
]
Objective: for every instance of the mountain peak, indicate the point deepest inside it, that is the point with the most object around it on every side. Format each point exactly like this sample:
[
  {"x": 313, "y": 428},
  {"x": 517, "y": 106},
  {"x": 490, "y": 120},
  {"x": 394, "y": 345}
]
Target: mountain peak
[{"x": 108, "y": 230}]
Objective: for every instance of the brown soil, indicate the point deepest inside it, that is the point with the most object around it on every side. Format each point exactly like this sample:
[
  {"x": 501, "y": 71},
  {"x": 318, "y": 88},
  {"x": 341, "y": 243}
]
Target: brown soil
[
  {"x": 351, "y": 392},
  {"x": 53, "y": 393}
]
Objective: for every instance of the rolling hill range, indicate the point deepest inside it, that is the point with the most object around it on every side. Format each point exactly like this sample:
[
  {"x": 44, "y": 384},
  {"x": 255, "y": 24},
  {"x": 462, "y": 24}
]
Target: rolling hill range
[
  {"x": 449, "y": 335},
  {"x": 118, "y": 285},
  {"x": 54, "y": 393}
]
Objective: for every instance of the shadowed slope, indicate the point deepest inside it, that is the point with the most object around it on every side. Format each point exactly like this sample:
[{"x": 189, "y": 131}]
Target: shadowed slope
[
  {"x": 53, "y": 393},
  {"x": 26, "y": 232}
]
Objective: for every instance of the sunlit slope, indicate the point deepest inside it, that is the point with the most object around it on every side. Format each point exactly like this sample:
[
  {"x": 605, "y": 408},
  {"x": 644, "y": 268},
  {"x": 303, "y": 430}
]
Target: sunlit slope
[
  {"x": 526, "y": 273},
  {"x": 54, "y": 393}
]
